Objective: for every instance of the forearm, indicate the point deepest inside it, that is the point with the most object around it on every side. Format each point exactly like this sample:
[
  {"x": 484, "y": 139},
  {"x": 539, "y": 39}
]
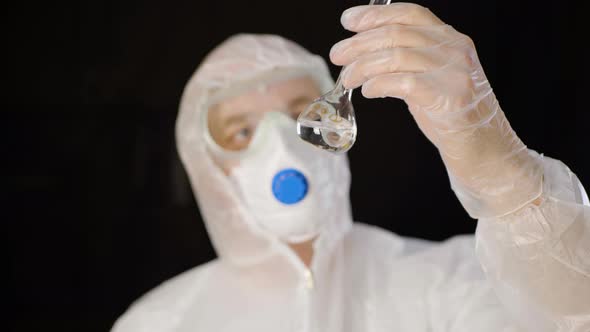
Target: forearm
[
  {"x": 538, "y": 258},
  {"x": 490, "y": 169}
]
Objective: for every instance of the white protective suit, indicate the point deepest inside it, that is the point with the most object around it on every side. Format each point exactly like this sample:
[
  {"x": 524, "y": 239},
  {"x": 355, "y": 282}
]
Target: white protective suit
[{"x": 526, "y": 271}]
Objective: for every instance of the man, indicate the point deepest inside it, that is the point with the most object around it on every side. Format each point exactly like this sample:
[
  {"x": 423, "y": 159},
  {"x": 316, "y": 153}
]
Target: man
[{"x": 277, "y": 209}]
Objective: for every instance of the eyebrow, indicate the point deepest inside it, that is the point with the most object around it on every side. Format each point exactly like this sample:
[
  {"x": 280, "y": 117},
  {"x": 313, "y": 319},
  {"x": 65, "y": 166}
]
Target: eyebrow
[
  {"x": 236, "y": 118},
  {"x": 299, "y": 100},
  {"x": 242, "y": 115}
]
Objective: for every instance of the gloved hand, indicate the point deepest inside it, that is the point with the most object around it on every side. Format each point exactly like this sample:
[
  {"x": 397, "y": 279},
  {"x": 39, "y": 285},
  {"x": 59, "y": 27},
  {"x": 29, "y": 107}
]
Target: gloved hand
[{"x": 404, "y": 51}]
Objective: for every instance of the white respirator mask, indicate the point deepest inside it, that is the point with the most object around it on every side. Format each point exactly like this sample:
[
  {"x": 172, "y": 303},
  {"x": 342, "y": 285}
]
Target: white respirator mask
[{"x": 288, "y": 185}]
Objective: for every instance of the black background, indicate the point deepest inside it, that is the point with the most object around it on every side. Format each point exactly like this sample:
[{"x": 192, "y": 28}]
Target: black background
[{"x": 100, "y": 210}]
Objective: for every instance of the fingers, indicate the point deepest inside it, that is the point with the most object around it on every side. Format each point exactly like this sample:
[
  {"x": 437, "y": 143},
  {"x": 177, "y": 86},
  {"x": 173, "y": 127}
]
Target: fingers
[
  {"x": 404, "y": 51},
  {"x": 363, "y": 18},
  {"x": 449, "y": 88},
  {"x": 347, "y": 50},
  {"x": 409, "y": 60},
  {"x": 410, "y": 87}
]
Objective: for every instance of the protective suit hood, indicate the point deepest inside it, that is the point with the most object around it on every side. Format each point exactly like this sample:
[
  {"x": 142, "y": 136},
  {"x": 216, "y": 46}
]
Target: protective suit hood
[{"x": 240, "y": 63}]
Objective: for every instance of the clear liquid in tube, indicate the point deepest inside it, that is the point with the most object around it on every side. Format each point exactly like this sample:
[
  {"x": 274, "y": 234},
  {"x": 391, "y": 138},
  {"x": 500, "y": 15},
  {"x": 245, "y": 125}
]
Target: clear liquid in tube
[{"x": 326, "y": 128}]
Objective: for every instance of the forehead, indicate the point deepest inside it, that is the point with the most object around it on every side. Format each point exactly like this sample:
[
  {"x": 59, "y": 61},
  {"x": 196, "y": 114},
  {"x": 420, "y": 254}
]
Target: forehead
[{"x": 274, "y": 95}]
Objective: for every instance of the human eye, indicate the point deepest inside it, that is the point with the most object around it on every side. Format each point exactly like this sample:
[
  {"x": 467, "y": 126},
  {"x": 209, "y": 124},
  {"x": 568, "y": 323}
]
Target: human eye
[
  {"x": 240, "y": 138},
  {"x": 243, "y": 134}
]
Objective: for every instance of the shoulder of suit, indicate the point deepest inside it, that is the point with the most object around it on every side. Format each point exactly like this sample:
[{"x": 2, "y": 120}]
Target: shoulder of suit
[{"x": 162, "y": 307}]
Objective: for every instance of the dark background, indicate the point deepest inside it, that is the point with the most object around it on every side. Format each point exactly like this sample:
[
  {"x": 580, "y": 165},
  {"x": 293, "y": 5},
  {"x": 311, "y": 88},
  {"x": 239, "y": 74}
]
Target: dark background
[{"x": 100, "y": 210}]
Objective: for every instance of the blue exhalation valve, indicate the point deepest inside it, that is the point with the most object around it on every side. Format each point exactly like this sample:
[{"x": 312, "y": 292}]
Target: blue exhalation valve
[{"x": 289, "y": 186}]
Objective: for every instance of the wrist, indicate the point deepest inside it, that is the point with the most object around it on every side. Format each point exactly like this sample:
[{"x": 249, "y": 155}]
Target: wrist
[{"x": 500, "y": 186}]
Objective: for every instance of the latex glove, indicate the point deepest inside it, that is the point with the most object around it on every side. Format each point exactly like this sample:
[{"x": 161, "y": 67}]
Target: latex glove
[{"x": 404, "y": 51}]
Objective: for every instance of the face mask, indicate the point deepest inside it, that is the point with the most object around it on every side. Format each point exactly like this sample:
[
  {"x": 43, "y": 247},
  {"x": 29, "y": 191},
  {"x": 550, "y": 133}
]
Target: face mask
[{"x": 287, "y": 184}]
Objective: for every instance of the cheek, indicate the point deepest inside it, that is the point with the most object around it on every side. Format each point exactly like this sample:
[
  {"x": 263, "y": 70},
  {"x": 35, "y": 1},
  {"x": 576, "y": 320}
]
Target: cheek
[
  {"x": 215, "y": 131},
  {"x": 226, "y": 170},
  {"x": 226, "y": 166}
]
